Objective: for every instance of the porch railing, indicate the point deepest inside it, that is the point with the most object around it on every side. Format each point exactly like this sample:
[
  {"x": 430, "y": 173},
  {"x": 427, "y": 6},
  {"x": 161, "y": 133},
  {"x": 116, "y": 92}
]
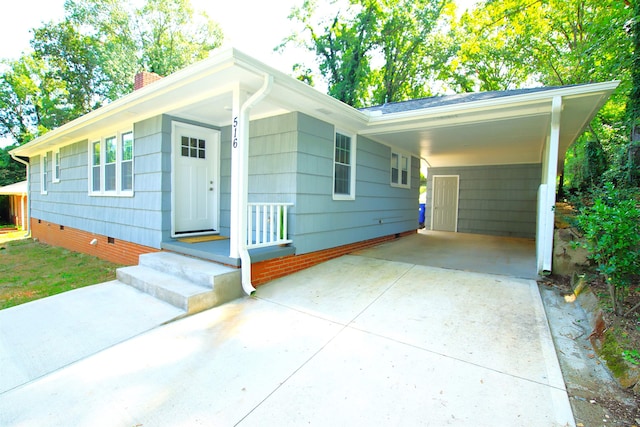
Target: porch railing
[{"x": 267, "y": 224}]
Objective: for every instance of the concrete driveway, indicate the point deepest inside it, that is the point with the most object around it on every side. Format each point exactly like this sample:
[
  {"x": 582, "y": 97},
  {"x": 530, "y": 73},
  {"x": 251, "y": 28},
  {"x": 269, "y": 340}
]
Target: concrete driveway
[{"x": 354, "y": 341}]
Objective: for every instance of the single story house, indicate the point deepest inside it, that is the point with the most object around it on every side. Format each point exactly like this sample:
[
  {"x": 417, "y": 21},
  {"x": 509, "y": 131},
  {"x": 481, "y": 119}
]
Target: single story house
[
  {"x": 232, "y": 147},
  {"x": 17, "y": 203}
]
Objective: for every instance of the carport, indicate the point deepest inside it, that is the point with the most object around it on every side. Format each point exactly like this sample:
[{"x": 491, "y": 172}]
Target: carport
[
  {"x": 492, "y": 158},
  {"x": 479, "y": 253}
]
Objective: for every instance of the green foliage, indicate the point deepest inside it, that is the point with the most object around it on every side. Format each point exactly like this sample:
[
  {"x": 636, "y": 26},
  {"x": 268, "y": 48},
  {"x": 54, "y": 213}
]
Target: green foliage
[
  {"x": 373, "y": 51},
  {"x": 10, "y": 170},
  {"x": 91, "y": 56},
  {"x": 631, "y": 356},
  {"x": 611, "y": 227},
  {"x": 31, "y": 270},
  {"x": 611, "y": 352}
]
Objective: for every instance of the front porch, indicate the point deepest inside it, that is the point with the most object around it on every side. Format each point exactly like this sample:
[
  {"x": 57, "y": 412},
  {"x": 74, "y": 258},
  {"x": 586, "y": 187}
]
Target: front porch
[
  {"x": 218, "y": 251},
  {"x": 266, "y": 236}
]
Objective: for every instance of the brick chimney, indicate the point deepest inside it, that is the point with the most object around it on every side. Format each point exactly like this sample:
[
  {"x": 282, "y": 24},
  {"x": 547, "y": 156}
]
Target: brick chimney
[{"x": 145, "y": 78}]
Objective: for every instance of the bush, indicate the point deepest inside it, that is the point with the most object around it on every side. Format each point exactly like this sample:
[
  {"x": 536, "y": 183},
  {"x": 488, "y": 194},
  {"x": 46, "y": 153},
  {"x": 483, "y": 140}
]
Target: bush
[{"x": 611, "y": 227}]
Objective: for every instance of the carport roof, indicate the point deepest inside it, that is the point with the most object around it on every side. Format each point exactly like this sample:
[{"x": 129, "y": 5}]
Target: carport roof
[
  {"x": 459, "y": 98},
  {"x": 17, "y": 189},
  {"x": 487, "y": 128}
]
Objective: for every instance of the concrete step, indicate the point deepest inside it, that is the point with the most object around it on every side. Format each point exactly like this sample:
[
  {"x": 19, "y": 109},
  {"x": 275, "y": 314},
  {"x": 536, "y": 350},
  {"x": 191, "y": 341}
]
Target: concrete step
[
  {"x": 190, "y": 284},
  {"x": 201, "y": 272}
]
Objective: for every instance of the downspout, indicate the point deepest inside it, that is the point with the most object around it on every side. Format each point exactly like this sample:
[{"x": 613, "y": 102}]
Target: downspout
[
  {"x": 244, "y": 187},
  {"x": 28, "y": 225}
]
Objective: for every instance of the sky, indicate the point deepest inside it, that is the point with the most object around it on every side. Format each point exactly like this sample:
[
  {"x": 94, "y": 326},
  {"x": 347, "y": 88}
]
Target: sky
[{"x": 255, "y": 27}]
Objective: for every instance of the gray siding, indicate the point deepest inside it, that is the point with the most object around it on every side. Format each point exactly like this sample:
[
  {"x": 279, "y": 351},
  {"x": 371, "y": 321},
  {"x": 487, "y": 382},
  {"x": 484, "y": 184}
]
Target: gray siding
[
  {"x": 139, "y": 219},
  {"x": 494, "y": 200},
  {"x": 291, "y": 160}
]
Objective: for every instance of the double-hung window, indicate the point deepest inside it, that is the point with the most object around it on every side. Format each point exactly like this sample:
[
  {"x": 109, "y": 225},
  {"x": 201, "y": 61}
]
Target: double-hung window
[
  {"x": 56, "y": 166},
  {"x": 111, "y": 165},
  {"x": 44, "y": 174},
  {"x": 400, "y": 170},
  {"x": 344, "y": 167}
]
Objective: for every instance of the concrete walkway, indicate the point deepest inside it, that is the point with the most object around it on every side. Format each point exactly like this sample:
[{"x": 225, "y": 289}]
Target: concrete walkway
[
  {"x": 354, "y": 341},
  {"x": 42, "y": 336}
]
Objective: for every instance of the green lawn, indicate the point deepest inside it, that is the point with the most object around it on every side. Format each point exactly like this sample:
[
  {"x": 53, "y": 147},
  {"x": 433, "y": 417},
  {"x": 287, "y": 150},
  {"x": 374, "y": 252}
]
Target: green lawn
[{"x": 30, "y": 270}]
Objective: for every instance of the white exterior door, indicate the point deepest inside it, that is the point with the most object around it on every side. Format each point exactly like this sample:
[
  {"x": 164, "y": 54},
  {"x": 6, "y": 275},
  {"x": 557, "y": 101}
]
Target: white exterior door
[
  {"x": 444, "y": 208},
  {"x": 195, "y": 179}
]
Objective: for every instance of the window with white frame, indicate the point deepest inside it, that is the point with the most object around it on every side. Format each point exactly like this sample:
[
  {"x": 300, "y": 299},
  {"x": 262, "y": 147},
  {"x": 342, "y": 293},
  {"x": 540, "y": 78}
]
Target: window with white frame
[
  {"x": 400, "y": 170},
  {"x": 56, "y": 166},
  {"x": 44, "y": 166},
  {"x": 111, "y": 165},
  {"x": 126, "y": 164},
  {"x": 344, "y": 167}
]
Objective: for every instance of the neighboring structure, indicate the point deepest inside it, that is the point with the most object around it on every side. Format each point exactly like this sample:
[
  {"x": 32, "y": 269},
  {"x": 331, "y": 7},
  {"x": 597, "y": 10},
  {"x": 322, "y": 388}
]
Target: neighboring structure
[
  {"x": 233, "y": 147},
  {"x": 17, "y": 203}
]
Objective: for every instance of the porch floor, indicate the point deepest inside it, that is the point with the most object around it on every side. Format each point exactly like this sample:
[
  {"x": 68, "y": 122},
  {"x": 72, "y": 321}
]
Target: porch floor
[{"x": 218, "y": 251}]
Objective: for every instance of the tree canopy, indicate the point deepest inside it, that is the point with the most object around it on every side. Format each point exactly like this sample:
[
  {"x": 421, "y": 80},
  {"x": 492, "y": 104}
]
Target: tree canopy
[
  {"x": 376, "y": 51},
  {"x": 372, "y": 51},
  {"x": 367, "y": 51},
  {"x": 91, "y": 56}
]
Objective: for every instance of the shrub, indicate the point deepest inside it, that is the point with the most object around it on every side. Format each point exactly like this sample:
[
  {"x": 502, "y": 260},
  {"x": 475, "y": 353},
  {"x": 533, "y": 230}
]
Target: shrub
[{"x": 611, "y": 227}]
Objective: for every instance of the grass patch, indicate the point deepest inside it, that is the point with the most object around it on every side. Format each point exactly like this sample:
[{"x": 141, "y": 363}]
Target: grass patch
[{"x": 30, "y": 270}]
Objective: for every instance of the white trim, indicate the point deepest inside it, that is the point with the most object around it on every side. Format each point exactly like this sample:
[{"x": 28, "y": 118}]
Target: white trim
[
  {"x": 352, "y": 166},
  {"x": 118, "y": 191},
  {"x": 401, "y": 155},
  {"x": 433, "y": 193}
]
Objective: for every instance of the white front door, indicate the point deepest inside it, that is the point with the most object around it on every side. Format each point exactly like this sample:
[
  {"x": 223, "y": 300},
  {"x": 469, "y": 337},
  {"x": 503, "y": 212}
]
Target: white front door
[
  {"x": 444, "y": 208},
  {"x": 195, "y": 179}
]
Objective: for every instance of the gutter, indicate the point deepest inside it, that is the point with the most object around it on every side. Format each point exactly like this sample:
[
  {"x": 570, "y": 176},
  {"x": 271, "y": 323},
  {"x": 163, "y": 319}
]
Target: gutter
[
  {"x": 245, "y": 258},
  {"x": 28, "y": 220}
]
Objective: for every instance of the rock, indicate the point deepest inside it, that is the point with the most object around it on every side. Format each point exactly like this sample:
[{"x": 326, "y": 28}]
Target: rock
[{"x": 568, "y": 256}]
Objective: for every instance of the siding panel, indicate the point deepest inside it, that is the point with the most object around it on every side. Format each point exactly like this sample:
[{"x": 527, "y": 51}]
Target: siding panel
[{"x": 494, "y": 200}]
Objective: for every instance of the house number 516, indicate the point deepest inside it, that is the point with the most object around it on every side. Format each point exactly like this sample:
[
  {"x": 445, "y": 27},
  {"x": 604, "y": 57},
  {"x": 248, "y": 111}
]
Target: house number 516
[{"x": 235, "y": 132}]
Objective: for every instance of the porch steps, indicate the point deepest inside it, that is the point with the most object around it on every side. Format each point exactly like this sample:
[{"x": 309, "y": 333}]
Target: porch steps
[{"x": 188, "y": 283}]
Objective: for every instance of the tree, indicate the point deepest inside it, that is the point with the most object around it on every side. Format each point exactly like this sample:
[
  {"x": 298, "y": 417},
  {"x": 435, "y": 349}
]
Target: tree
[
  {"x": 29, "y": 100},
  {"x": 90, "y": 58},
  {"x": 515, "y": 43},
  {"x": 395, "y": 33},
  {"x": 404, "y": 42}
]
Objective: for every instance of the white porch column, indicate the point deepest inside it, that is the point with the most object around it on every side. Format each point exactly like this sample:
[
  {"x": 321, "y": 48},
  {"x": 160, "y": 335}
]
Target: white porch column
[
  {"x": 547, "y": 191},
  {"x": 23, "y": 210},
  {"x": 238, "y": 174}
]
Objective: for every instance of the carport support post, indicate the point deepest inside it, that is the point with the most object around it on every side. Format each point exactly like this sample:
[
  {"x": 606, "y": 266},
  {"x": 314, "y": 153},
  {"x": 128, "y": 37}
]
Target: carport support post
[{"x": 547, "y": 193}]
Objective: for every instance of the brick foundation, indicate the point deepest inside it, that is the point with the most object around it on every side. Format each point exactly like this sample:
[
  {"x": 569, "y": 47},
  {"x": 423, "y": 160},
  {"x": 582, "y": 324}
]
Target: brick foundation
[
  {"x": 265, "y": 271},
  {"x": 127, "y": 253},
  {"x": 114, "y": 250}
]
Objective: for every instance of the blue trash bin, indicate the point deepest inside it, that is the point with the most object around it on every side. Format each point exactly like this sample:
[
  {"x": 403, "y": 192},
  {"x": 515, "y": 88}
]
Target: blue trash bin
[{"x": 421, "y": 215}]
